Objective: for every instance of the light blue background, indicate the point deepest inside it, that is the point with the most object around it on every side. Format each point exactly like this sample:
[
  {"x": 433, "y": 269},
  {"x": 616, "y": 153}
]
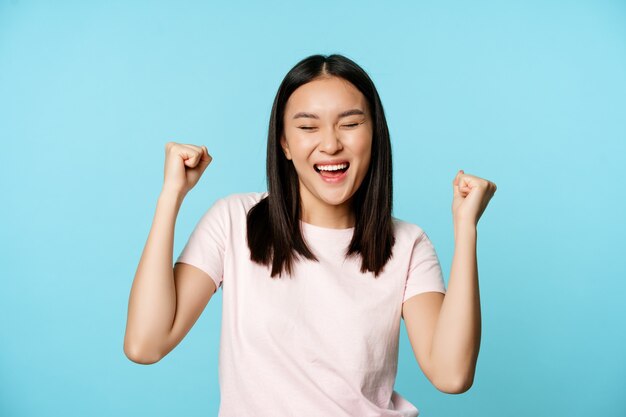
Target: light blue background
[{"x": 530, "y": 95}]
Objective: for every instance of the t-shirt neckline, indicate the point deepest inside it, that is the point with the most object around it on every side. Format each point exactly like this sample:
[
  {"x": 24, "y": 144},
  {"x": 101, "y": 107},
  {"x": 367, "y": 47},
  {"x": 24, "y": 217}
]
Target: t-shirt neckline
[{"x": 325, "y": 232}]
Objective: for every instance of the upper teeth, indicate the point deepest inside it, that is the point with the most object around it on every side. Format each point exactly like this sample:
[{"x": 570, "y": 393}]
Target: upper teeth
[{"x": 332, "y": 167}]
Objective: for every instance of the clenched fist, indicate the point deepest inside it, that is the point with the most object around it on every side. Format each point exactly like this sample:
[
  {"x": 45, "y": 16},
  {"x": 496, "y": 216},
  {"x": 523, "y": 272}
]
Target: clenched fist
[
  {"x": 184, "y": 165},
  {"x": 471, "y": 196}
]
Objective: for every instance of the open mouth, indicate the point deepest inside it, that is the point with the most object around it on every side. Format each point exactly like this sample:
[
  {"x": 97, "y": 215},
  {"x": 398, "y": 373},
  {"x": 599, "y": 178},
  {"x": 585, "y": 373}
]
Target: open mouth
[{"x": 332, "y": 171}]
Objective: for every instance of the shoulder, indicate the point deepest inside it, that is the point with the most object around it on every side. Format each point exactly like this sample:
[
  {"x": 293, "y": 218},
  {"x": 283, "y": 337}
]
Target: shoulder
[
  {"x": 240, "y": 202},
  {"x": 234, "y": 205},
  {"x": 405, "y": 231},
  {"x": 411, "y": 238}
]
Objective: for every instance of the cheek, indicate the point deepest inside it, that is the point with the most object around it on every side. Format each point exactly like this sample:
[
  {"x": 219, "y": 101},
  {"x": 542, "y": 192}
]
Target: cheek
[
  {"x": 362, "y": 147},
  {"x": 299, "y": 154},
  {"x": 299, "y": 141},
  {"x": 300, "y": 167}
]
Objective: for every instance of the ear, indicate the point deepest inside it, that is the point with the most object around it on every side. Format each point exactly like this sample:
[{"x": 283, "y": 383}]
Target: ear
[{"x": 285, "y": 146}]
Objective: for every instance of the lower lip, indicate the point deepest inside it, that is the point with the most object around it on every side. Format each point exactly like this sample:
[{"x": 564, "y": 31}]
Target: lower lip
[{"x": 334, "y": 180}]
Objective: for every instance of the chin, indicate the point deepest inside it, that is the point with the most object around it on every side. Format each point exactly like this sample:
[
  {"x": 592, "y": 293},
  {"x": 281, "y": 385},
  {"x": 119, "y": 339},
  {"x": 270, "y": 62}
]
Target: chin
[
  {"x": 335, "y": 199},
  {"x": 327, "y": 194}
]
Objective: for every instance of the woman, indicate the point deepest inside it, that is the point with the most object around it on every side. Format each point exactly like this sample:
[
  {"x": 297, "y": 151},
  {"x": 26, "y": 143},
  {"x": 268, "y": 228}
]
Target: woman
[{"x": 323, "y": 341}]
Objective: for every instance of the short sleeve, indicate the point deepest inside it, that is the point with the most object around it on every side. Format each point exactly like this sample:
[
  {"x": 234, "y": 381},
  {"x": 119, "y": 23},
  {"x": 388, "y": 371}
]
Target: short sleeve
[
  {"x": 424, "y": 270},
  {"x": 206, "y": 244}
]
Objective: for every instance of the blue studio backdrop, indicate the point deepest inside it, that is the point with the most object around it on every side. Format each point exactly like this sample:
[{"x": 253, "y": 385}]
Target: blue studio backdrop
[{"x": 528, "y": 94}]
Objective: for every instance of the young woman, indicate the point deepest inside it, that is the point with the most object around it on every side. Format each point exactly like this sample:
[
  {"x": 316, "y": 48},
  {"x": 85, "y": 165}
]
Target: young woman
[{"x": 315, "y": 273}]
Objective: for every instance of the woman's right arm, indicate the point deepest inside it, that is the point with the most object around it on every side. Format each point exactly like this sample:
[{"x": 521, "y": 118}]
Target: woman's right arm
[{"x": 165, "y": 302}]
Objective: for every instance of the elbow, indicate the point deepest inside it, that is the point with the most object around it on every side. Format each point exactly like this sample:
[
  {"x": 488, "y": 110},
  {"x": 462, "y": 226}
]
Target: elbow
[
  {"x": 457, "y": 385},
  {"x": 140, "y": 355}
]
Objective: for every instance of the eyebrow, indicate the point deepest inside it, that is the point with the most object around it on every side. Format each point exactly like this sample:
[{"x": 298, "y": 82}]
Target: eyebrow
[{"x": 346, "y": 113}]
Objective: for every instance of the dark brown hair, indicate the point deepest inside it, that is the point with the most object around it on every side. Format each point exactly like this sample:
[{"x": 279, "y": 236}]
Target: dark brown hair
[{"x": 273, "y": 228}]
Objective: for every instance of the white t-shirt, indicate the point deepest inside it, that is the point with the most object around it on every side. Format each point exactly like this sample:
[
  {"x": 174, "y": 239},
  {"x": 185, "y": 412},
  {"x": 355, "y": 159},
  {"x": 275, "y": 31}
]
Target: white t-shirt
[{"x": 321, "y": 342}]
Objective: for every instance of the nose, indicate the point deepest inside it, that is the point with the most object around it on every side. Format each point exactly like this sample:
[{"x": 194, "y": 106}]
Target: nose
[{"x": 330, "y": 142}]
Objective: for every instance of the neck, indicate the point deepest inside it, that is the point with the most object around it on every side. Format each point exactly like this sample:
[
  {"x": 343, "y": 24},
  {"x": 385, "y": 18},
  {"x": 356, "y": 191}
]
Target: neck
[
  {"x": 320, "y": 214},
  {"x": 328, "y": 220}
]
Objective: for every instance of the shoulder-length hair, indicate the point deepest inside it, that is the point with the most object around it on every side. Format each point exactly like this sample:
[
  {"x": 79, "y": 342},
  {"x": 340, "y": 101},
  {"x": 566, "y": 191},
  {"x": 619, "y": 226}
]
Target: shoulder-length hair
[{"x": 273, "y": 229}]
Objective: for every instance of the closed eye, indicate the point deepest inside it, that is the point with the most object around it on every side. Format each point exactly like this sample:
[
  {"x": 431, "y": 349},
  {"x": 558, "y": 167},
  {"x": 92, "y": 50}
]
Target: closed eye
[
  {"x": 354, "y": 124},
  {"x": 350, "y": 125}
]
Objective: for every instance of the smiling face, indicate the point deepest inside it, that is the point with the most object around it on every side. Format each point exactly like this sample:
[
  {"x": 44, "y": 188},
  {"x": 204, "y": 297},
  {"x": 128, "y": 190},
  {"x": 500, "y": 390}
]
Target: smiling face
[{"x": 328, "y": 137}]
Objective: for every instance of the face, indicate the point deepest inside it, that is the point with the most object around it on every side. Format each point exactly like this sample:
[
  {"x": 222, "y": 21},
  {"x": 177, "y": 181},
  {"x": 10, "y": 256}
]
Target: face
[{"x": 328, "y": 137}]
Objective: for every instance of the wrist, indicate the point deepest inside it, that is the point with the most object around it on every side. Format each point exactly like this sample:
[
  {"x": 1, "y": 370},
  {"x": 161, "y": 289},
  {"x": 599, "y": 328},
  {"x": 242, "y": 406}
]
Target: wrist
[
  {"x": 464, "y": 228},
  {"x": 172, "y": 196}
]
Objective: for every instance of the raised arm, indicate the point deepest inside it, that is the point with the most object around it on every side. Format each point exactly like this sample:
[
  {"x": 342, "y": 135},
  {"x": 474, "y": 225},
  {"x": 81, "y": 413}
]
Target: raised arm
[
  {"x": 165, "y": 302},
  {"x": 444, "y": 331}
]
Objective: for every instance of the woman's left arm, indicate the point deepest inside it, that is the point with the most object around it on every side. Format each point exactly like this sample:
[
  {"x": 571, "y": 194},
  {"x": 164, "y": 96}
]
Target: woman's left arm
[{"x": 456, "y": 338}]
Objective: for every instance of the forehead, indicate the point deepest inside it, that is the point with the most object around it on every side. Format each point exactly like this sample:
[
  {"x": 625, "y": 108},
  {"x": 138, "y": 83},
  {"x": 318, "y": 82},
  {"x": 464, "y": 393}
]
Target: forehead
[{"x": 325, "y": 96}]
